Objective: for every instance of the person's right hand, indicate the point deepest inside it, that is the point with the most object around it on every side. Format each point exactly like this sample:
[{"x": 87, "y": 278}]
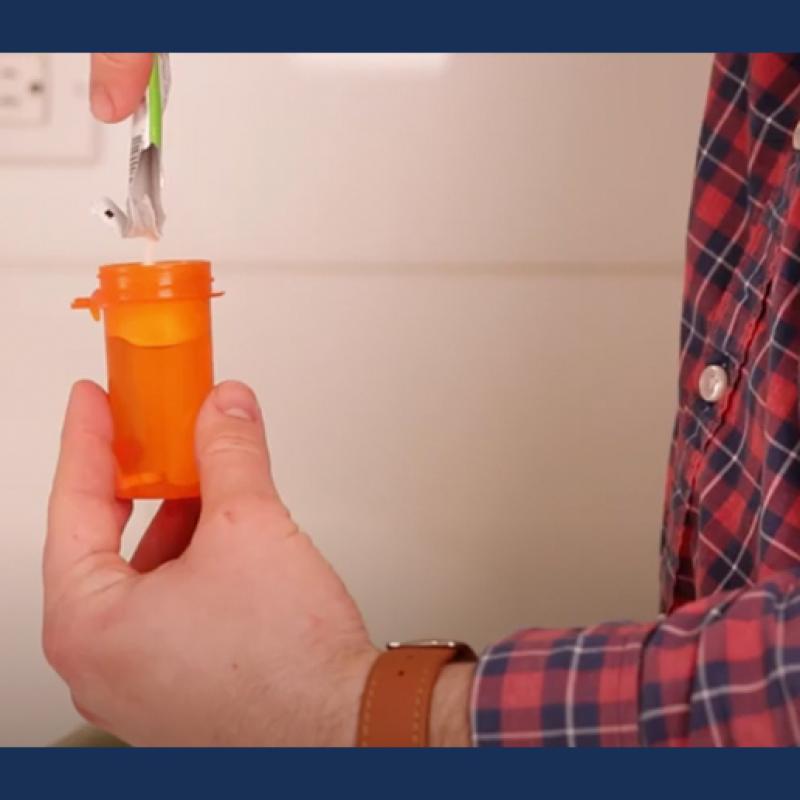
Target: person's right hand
[
  {"x": 117, "y": 84},
  {"x": 229, "y": 629}
]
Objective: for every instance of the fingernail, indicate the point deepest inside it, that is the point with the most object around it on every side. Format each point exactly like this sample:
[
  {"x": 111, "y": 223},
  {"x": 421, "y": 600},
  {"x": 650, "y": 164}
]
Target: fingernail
[
  {"x": 236, "y": 400},
  {"x": 101, "y": 103}
]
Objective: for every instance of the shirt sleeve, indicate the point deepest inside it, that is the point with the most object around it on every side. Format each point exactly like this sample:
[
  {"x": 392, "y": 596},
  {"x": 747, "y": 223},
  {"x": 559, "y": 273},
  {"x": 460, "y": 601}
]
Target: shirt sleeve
[{"x": 721, "y": 671}]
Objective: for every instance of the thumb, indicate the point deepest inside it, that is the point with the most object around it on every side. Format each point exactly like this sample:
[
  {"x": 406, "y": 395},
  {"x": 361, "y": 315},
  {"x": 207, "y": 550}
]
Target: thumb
[
  {"x": 118, "y": 82},
  {"x": 231, "y": 447}
]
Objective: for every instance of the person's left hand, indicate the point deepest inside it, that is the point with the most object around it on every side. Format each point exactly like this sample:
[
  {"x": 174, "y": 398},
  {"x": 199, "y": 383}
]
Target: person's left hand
[{"x": 230, "y": 629}]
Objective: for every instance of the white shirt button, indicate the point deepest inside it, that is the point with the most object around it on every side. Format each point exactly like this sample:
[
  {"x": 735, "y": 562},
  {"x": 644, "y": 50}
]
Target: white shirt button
[{"x": 713, "y": 383}]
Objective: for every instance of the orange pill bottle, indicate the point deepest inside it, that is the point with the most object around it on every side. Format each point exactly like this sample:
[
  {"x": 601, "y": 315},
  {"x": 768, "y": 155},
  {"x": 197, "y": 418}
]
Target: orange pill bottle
[{"x": 158, "y": 353}]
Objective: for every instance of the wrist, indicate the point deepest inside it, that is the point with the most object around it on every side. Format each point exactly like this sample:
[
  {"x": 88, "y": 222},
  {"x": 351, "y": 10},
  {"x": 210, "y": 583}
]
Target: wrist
[
  {"x": 348, "y": 695},
  {"x": 449, "y": 722},
  {"x": 417, "y": 695}
]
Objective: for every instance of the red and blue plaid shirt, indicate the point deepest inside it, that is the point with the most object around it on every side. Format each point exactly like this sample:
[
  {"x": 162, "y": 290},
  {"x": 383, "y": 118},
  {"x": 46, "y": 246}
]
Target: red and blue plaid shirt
[{"x": 721, "y": 666}]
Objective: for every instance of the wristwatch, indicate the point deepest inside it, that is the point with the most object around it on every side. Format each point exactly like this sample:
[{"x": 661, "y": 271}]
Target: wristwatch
[{"x": 396, "y": 704}]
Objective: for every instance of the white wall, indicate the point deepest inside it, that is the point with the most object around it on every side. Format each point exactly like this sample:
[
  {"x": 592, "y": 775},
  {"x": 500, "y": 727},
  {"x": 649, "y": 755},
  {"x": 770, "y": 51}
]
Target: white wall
[
  {"x": 454, "y": 283},
  {"x": 475, "y": 158}
]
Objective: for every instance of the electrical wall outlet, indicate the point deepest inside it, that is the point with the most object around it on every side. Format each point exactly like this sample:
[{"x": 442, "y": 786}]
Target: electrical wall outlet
[
  {"x": 44, "y": 109},
  {"x": 23, "y": 88}
]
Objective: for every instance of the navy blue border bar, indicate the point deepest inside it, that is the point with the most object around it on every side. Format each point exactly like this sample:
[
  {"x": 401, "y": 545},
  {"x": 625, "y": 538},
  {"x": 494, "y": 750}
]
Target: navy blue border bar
[
  {"x": 401, "y": 25},
  {"x": 383, "y": 774}
]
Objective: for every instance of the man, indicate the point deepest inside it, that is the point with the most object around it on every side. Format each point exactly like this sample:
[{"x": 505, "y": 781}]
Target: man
[{"x": 232, "y": 629}]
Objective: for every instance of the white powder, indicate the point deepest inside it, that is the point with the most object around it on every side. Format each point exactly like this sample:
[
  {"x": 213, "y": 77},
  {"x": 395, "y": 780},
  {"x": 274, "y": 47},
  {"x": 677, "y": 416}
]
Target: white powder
[{"x": 149, "y": 252}]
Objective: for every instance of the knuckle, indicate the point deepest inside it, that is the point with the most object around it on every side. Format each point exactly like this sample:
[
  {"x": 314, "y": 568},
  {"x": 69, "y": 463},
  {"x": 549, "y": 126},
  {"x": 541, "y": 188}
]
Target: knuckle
[
  {"x": 59, "y": 646},
  {"x": 66, "y": 643},
  {"x": 51, "y": 647},
  {"x": 254, "y": 514},
  {"x": 80, "y": 707},
  {"x": 247, "y": 508},
  {"x": 228, "y": 443}
]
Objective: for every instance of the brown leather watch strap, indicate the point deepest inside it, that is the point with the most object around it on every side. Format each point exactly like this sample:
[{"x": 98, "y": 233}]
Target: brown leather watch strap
[{"x": 395, "y": 707}]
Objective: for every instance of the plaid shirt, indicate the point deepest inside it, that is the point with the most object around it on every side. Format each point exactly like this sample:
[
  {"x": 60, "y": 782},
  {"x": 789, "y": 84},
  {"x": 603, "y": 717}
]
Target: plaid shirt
[{"x": 721, "y": 666}]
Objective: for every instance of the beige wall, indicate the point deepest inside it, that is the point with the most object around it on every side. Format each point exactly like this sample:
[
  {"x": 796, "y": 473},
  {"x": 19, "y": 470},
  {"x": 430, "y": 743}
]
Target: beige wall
[{"x": 455, "y": 284}]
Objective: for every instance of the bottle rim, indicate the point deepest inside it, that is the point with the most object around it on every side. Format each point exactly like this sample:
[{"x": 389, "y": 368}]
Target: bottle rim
[{"x": 134, "y": 282}]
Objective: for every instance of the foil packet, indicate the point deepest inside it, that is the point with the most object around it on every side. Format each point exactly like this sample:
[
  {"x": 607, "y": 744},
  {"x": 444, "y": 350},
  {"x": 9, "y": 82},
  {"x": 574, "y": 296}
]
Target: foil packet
[{"x": 143, "y": 216}]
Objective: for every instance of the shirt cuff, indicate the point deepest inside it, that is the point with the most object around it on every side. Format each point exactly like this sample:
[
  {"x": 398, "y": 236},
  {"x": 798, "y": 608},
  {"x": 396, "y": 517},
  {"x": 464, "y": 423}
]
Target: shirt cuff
[{"x": 571, "y": 687}]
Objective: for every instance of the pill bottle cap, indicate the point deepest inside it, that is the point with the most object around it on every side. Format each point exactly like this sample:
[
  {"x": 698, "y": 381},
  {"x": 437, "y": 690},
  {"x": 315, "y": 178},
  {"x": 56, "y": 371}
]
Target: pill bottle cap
[{"x": 145, "y": 283}]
